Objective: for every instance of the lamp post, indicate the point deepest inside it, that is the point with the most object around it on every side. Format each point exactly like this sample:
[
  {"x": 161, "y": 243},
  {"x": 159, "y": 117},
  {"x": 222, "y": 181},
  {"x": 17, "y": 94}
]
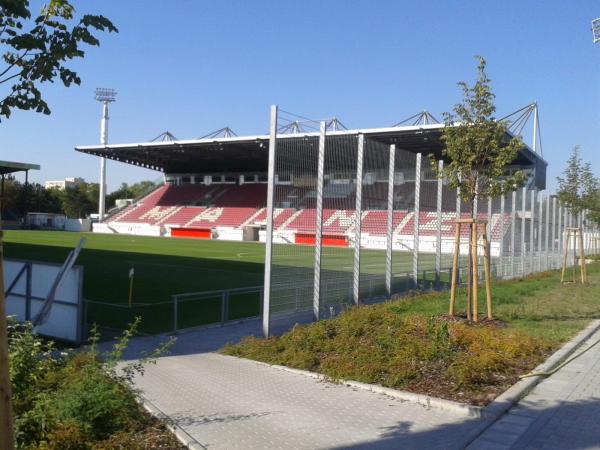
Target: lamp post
[{"x": 105, "y": 96}]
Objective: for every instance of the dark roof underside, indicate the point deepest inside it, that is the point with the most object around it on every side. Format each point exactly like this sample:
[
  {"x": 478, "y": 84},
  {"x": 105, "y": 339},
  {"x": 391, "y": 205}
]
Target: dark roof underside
[{"x": 11, "y": 167}]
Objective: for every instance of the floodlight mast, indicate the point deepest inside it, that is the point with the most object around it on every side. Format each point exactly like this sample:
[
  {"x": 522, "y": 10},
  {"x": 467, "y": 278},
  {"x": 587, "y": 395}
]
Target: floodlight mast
[
  {"x": 105, "y": 96},
  {"x": 596, "y": 30}
]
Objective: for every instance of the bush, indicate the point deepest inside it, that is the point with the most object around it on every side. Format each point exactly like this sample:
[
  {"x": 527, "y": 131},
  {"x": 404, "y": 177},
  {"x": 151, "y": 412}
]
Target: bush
[{"x": 73, "y": 400}]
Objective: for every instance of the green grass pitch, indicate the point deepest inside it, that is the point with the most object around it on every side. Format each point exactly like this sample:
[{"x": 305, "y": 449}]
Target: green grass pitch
[{"x": 167, "y": 266}]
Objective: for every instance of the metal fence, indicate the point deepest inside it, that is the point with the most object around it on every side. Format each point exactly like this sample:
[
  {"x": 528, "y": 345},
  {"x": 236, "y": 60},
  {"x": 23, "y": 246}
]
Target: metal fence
[{"x": 371, "y": 220}]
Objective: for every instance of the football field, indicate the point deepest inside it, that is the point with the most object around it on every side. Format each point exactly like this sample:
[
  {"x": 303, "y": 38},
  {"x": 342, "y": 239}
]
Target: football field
[{"x": 167, "y": 266}]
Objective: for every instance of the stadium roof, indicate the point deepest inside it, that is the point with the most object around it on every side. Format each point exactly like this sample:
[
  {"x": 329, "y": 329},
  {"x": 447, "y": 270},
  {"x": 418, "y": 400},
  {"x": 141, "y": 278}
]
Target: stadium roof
[
  {"x": 11, "y": 167},
  {"x": 249, "y": 153}
]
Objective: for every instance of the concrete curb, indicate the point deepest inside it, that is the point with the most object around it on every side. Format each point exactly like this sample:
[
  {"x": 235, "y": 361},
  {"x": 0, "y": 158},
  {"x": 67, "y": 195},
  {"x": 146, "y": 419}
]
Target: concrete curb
[
  {"x": 405, "y": 396},
  {"x": 491, "y": 412},
  {"x": 181, "y": 435}
]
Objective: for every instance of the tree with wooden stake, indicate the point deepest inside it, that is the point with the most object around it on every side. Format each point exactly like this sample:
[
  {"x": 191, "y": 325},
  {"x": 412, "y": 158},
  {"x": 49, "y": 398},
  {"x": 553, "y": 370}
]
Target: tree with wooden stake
[
  {"x": 35, "y": 50},
  {"x": 478, "y": 150}
]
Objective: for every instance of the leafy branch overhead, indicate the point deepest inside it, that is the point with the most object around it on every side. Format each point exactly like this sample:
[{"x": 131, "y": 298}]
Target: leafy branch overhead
[
  {"x": 36, "y": 50},
  {"x": 477, "y": 148}
]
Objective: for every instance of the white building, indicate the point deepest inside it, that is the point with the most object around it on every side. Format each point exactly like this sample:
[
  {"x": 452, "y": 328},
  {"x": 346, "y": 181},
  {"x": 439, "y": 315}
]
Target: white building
[{"x": 63, "y": 184}]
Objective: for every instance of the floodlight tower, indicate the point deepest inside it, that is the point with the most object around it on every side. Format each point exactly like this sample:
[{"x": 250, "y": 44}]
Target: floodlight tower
[{"x": 105, "y": 96}]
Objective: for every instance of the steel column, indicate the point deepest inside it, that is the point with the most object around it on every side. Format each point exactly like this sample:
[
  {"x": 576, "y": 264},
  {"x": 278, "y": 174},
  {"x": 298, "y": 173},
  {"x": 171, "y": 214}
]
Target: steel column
[
  {"x": 358, "y": 218},
  {"x": 559, "y": 232},
  {"x": 523, "y": 210},
  {"x": 540, "y": 229},
  {"x": 501, "y": 238},
  {"x": 547, "y": 236},
  {"x": 415, "y": 261},
  {"x": 553, "y": 235},
  {"x": 266, "y": 307},
  {"x": 319, "y": 224},
  {"x": 390, "y": 221},
  {"x": 513, "y": 222},
  {"x": 438, "y": 224},
  {"x": 532, "y": 231}
]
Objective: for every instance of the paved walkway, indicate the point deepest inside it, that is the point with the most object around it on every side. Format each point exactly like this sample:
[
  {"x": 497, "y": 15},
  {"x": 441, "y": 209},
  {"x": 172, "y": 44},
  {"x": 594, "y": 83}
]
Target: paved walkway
[
  {"x": 230, "y": 403},
  {"x": 562, "y": 412}
]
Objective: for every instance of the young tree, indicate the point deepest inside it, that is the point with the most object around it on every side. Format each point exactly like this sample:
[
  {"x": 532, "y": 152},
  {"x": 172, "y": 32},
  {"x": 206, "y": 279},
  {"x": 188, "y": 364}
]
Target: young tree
[
  {"x": 578, "y": 187},
  {"x": 477, "y": 151},
  {"x": 36, "y": 50},
  {"x": 476, "y": 146}
]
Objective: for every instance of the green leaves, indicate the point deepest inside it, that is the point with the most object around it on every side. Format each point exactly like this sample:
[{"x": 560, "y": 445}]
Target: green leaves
[
  {"x": 40, "y": 54},
  {"x": 478, "y": 147}
]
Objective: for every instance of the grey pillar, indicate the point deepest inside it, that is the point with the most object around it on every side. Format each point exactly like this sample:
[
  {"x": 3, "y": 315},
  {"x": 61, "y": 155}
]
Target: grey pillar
[
  {"x": 532, "y": 232},
  {"x": 559, "y": 232},
  {"x": 553, "y": 236},
  {"x": 501, "y": 238},
  {"x": 415, "y": 261},
  {"x": 319, "y": 224},
  {"x": 358, "y": 218},
  {"x": 547, "y": 235},
  {"x": 438, "y": 225},
  {"x": 540, "y": 230},
  {"x": 513, "y": 222},
  {"x": 523, "y": 210},
  {"x": 390, "y": 221},
  {"x": 266, "y": 307}
]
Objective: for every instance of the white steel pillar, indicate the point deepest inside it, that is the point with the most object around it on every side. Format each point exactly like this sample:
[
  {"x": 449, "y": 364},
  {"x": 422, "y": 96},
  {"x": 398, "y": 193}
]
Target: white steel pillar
[
  {"x": 266, "y": 306},
  {"x": 319, "y": 224},
  {"x": 390, "y": 222},
  {"x": 438, "y": 225},
  {"x": 523, "y": 210},
  {"x": 103, "y": 141},
  {"x": 415, "y": 261},
  {"x": 552, "y": 260},
  {"x": 547, "y": 235},
  {"x": 501, "y": 270},
  {"x": 513, "y": 223},
  {"x": 540, "y": 230},
  {"x": 532, "y": 232},
  {"x": 358, "y": 218}
]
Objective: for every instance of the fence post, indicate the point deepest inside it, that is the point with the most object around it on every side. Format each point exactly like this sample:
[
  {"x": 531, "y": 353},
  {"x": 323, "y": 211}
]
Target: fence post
[
  {"x": 390, "y": 221},
  {"x": 559, "y": 231},
  {"x": 501, "y": 238},
  {"x": 266, "y": 316},
  {"x": 547, "y": 237},
  {"x": 415, "y": 261},
  {"x": 540, "y": 230},
  {"x": 358, "y": 219},
  {"x": 224, "y": 307},
  {"x": 438, "y": 225},
  {"x": 513, "y": 222},
  {"x": 523, "y": 210},
  {"x": 552, "y": 260},
  {"x": 319, "y": 224},
  {"x": 532, "y": 232},
  {"x": 175, "y": 301}
]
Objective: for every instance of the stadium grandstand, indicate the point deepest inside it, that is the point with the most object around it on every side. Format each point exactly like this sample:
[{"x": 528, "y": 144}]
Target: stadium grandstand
[{"x": 216, "y": 187}]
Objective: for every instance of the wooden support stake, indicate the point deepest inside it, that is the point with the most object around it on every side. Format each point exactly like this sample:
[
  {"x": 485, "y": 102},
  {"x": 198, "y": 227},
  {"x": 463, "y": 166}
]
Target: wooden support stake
[
  {"x": 486, "y": 267},
  {"x": 475, "y": 274},
  {"x": 454, "y": 268},
  {"x": 574, "y": 271},
  {"x": 583, "y": 268}
]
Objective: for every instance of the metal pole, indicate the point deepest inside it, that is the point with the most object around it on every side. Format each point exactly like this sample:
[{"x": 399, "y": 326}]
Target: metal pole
[
  {"x": 438, "y": 225},
  {"x": 559, "y": 231},
  {"x": 540, "y": 230},
  {"x": 390, "y": 221},
  {"x": 319, "y": 224},
  {"x": 501, "y": 237},
  {"x": 415, "y": 274},
  {"x": 547, "y": 235},
  {"x": 358, "y": 218},
  {"x": 103, "y": 141},
  {"x": 553, "y": 235},
  {"x": 532, "y": 231},
  {"x": 513, "y": 221},
  {"x": 523, "y": 210},
  {"x": 266, "y": 316},
  {"x": 535, "y": 127}
]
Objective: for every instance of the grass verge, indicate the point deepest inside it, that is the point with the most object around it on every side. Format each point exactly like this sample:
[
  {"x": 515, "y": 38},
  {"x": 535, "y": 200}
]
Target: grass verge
[{"x": 409, "y": 344}]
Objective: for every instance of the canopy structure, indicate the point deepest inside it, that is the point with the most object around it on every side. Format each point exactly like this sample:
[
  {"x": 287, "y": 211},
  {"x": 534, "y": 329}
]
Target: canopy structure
[
  {"x": 235, "y": 154},
  {"x": 7, "y": 167}
]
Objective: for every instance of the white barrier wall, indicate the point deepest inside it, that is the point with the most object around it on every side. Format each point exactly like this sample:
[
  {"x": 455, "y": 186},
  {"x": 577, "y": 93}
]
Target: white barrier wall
[
  {"x": 26, "y": 297},
  {"x": 141, "y": 229},
  {"x": 78, "y": 225}
]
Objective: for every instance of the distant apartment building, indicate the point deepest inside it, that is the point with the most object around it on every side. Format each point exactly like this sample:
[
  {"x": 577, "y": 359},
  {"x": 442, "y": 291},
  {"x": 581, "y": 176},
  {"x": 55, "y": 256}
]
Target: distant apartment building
[{"x": 63, "y": 184}]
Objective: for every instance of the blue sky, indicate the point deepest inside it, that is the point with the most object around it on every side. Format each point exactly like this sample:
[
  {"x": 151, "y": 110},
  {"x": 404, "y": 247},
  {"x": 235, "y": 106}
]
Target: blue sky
[{"x": 191, "y": 67}]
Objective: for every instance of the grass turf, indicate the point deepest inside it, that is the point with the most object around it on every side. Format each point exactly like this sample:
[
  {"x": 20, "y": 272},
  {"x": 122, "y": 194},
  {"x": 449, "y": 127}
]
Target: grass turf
[
  {"x": 167, "y": 266},
  {"x": 407, "y": 343}
]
